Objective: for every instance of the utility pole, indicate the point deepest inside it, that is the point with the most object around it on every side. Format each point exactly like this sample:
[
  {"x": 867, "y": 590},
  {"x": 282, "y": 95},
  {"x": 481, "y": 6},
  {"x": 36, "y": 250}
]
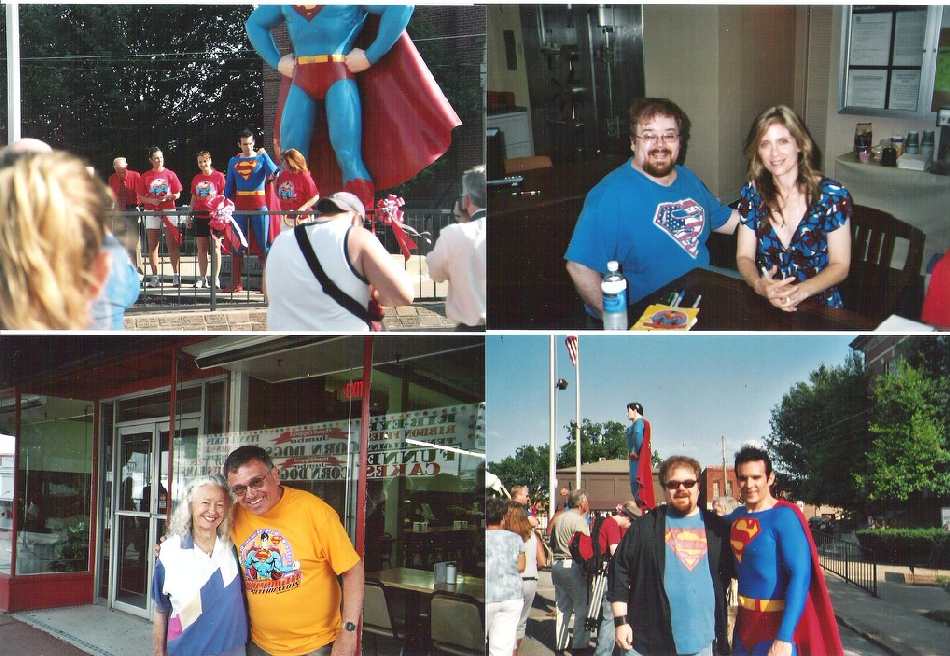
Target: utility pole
[
  {"x": 725, "y": 476},
  {"x": 13, "y": 72}
]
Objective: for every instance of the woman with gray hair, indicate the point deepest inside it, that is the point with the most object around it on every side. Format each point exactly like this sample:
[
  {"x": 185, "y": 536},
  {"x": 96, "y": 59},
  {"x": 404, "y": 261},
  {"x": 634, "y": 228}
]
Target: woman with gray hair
[{"x": 199, "y": 603}]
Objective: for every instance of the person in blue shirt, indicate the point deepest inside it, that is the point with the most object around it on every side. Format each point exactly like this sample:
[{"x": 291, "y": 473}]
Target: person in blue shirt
[
  {"x": 666, "y": 580},
  {"x": 651, "y": 215}
]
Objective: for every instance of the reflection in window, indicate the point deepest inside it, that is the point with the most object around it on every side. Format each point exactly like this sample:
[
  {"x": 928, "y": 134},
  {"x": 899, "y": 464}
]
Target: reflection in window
[
  {"x": 54, "y": 484},
  {"x": 7, "y": 440}
]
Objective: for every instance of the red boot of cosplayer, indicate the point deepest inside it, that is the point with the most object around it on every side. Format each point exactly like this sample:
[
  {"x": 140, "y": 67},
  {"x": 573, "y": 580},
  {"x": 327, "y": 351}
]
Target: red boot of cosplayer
[
  {"x": 362, "y": 189},
  {"x": 236, "y": 285}
]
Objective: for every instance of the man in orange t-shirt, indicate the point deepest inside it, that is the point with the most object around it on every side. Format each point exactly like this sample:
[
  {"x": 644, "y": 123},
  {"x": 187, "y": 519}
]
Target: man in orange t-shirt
[{"x": 291, "y": 547}]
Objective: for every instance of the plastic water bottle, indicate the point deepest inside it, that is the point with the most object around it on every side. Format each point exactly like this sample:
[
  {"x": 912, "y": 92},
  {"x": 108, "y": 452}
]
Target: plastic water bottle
[{"x": 614, "y": 290}]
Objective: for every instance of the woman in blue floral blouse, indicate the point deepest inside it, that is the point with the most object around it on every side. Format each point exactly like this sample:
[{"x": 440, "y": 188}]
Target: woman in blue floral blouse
[{"x": 795, "y": 237}]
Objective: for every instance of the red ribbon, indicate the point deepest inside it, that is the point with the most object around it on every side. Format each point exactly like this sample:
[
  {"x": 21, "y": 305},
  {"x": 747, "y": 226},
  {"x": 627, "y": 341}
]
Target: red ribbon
[
  {"x": 389, "y": 211},
  {"x": 172, "y": 229}
]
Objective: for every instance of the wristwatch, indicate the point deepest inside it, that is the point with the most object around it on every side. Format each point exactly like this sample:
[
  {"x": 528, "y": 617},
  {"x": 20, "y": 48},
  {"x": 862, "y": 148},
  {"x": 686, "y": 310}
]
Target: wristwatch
[
  {"x": 349, "y": 626},
  {"x": 620, "y": 620}
]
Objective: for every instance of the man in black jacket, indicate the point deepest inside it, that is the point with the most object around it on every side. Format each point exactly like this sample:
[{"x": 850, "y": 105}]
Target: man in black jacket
[{"x": 670, "y": 571}]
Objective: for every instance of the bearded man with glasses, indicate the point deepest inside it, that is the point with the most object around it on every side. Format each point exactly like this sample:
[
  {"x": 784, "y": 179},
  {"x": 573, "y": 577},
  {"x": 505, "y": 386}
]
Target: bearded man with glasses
[
  {"x": 652, "y": 215},
  {"x": 291, "y": 547},
  {"x": 669, "y": 573}
]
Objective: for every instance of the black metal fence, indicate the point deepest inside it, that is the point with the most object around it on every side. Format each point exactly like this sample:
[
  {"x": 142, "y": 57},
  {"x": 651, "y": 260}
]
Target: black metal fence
[
  {"x": 850, "y": 561},
  {"x": 186, "y": 288}
]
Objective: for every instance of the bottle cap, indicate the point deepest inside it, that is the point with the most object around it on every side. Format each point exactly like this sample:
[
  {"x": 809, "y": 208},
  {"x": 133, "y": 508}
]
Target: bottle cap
[{"x": 612, "y": 266}]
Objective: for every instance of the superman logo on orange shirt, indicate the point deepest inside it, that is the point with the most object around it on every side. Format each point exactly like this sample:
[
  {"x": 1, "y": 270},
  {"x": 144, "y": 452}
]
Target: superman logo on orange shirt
[
  {"x": 689, "y": 545},
  {"x": 743, "y": 531}
]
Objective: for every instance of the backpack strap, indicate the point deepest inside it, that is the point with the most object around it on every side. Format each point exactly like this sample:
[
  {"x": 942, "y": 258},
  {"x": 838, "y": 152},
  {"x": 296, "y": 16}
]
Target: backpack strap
[{"x": 330, "y": 288}]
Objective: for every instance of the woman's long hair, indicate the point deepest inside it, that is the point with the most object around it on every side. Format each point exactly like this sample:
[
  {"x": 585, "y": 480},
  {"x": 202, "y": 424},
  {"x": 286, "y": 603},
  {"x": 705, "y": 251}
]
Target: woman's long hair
[
  {"x": 52, "y": 223},
  {"x": 295, "y": 160},
  {"x": 516, "y": 520},
  {"x": 182, "y": 522},
  {"x": 809, "y": 158}
]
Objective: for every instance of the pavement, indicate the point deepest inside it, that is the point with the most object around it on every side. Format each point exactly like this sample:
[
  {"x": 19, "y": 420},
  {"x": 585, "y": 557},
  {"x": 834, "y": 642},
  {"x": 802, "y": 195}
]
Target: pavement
[
  {"x": 891, "y": 625},
  {"x": 427, "y": 317}
]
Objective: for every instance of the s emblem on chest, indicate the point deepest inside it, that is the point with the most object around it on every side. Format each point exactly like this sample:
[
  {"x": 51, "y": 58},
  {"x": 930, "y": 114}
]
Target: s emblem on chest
[{"x": 743, "y": 532}]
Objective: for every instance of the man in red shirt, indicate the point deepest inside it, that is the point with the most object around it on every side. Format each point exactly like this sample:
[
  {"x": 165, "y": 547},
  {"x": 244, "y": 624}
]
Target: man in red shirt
[
  {"x": 612, "y": 530},
  {"x": 205, "y": 186},
  {"x": 123, "y": 184},
  {"x": 158, "y": 190}
]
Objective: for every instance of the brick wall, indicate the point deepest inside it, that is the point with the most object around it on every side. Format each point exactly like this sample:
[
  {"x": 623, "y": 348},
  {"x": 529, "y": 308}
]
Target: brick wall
[{"x": 451, "y": 39}]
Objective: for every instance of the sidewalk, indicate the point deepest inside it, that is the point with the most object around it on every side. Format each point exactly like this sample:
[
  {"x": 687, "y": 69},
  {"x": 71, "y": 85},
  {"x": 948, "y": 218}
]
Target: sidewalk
[
  {"x": 74, "y": 631},
  {"x": 428, "y": 317},
  {"x": 895, "y": 620}
]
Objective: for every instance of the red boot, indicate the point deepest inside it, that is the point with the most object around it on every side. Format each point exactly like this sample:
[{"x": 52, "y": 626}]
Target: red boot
[
  {"x": 237, "y": 263},
  {"x": 364, "y": 190}
]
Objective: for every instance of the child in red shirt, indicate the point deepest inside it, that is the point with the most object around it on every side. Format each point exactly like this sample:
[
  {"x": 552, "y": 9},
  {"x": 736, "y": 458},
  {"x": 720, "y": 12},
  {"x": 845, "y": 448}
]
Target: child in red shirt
[{"x": 207, "y": 184}]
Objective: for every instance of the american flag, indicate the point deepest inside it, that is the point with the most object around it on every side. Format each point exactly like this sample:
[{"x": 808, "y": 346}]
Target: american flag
[{"x": 571, "y": 343}]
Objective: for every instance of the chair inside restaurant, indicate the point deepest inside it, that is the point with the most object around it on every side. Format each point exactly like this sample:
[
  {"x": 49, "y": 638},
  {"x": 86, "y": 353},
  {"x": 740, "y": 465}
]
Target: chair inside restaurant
[
  {"x": 874, "y": 288},
  {"x": 458, "y": 625},
  {"x": 378, "y": 617}
]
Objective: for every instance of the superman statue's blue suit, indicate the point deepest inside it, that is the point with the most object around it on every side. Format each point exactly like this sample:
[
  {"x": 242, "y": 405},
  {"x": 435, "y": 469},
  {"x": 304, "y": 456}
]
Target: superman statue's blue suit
[
  {"x": 322, "y": 36},
  {"x": 782, "y": 593}
]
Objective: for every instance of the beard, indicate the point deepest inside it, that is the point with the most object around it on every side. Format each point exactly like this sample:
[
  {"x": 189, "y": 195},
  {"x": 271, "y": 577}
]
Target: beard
[{"x": 658, "y": 170}]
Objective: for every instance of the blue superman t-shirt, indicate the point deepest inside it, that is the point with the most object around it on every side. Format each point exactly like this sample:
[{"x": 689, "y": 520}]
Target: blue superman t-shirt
[
  {"x": 688, "y": 583},
  {"x": 656, "y": 233}
]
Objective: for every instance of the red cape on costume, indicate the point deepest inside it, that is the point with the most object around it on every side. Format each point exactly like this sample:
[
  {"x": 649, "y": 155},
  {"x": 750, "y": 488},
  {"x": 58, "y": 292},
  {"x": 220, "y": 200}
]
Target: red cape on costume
[
  {"x": 817, "y": 630},
  {"x": 407, "y": 120},
  {"x": 645, "y": 469}
]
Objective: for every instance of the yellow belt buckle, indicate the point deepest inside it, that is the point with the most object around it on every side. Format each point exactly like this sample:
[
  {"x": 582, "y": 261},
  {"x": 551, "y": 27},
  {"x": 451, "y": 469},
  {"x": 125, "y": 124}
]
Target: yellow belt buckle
[
  {"x": 320, "y": 59},
  {"x": 762, "y": 605}
]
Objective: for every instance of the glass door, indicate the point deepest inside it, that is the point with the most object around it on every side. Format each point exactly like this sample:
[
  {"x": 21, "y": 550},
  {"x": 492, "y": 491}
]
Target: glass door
[{"x": 142, "y": 506}]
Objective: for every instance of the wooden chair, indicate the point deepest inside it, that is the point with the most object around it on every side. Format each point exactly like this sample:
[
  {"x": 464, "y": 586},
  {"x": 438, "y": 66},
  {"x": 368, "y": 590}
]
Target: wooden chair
[
  {"x": 519, "y": 164},
  {"x": 873, "y": 287},
  {"x": 458, "y": 625},
  {"x": 377, "y": 615}
]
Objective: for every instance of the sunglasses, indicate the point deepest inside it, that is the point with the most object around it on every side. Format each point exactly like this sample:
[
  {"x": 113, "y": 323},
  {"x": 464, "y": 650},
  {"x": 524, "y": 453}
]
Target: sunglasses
[
  {"x": 255, "y": 483},
  {"x": 689, "y": 484}
]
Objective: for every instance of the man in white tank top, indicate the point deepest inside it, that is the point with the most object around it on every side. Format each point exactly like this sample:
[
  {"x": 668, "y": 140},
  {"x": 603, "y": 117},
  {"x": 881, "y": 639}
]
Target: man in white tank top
[{"x": 351, "y": 257}]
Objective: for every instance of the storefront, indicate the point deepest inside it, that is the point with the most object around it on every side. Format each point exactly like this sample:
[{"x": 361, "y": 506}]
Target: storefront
[{"x": 102, "y": 433}]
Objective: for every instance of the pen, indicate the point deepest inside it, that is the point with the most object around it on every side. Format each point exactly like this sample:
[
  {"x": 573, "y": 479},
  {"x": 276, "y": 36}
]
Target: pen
[
  {"x": 679, "y": 297},
  {"x": 696, "y": 302}
]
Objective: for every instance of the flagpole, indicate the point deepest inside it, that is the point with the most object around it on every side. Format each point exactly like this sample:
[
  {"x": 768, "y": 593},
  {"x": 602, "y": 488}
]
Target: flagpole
[
  {"x": 577, "y": 416},
  {"x": 14, "y": 127},
  {"x": 552, "y": 450}
]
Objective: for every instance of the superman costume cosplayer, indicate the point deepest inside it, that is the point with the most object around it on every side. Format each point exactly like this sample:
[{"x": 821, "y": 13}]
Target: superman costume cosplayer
[
  {"x": 409, "y": 113},
  {"x": 782, "y": 593}
]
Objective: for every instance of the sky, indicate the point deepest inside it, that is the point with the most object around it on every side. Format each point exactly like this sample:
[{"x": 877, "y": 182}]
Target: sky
[{"x": 694, "y": 388}]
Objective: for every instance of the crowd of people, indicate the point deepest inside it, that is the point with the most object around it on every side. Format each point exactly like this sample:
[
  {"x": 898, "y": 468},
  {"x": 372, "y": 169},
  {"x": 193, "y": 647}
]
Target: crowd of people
[
  {"x": 664, "y": 580},
  {"x": 329, "y": 273},
  {"x": 654, "y": 216}
]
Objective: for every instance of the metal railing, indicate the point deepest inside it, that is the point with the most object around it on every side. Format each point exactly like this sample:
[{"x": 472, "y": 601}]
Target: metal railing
[
  {"x": 850, "y": 561},
  {"x": 129, "y": 228}
]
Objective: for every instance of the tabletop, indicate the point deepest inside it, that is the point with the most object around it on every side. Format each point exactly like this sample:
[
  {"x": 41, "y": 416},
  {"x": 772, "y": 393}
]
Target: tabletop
[
  {"x": 729, "y": 304},
  {"x": 423, "y": 582}
]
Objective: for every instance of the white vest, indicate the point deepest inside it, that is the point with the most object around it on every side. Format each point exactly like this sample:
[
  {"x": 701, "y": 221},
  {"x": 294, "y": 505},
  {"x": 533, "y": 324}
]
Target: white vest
[{"x": 295, "y": 297}]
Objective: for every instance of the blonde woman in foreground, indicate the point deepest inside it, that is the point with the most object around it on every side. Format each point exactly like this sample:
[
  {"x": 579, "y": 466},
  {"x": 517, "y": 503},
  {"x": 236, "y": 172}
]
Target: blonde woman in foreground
[{"x": 52, "y": 223}]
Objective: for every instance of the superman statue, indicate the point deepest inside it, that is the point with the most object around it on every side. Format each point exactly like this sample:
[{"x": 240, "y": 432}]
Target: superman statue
[
  {"x": 345, "y": 57},
  {"x": 640, "y": 457},
  {"x": 246, "y": 185},
  {"x": 784, "y": 607}
]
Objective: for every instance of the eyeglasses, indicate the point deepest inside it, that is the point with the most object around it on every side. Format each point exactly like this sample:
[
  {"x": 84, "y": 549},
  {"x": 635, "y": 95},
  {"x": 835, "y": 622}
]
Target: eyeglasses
[
  {"x": 654, "y": 138},
  {"x": 255, "y": 483},
  {"x": 689, "y": 484}
]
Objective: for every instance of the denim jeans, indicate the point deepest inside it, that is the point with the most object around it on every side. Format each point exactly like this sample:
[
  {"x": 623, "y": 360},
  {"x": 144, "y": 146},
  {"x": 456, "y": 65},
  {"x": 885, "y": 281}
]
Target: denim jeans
[{"x": 570, "y": 597}]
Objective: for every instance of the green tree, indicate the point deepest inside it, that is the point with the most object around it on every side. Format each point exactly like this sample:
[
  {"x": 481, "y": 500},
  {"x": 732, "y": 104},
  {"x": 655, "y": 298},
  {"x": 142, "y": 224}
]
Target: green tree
[
  {"x": 102, "y": 80},
  {"x": 819, "y": 433},
  {"x": 529, "y": 466},
  {"x": 909, "y": 454}
]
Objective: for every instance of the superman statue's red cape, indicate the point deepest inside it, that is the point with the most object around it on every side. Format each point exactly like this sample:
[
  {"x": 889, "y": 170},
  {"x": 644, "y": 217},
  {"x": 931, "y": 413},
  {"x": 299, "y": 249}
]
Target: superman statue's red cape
[
  {"x": 645, "y": 470},
  {"x": 407, "y": 120}
]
